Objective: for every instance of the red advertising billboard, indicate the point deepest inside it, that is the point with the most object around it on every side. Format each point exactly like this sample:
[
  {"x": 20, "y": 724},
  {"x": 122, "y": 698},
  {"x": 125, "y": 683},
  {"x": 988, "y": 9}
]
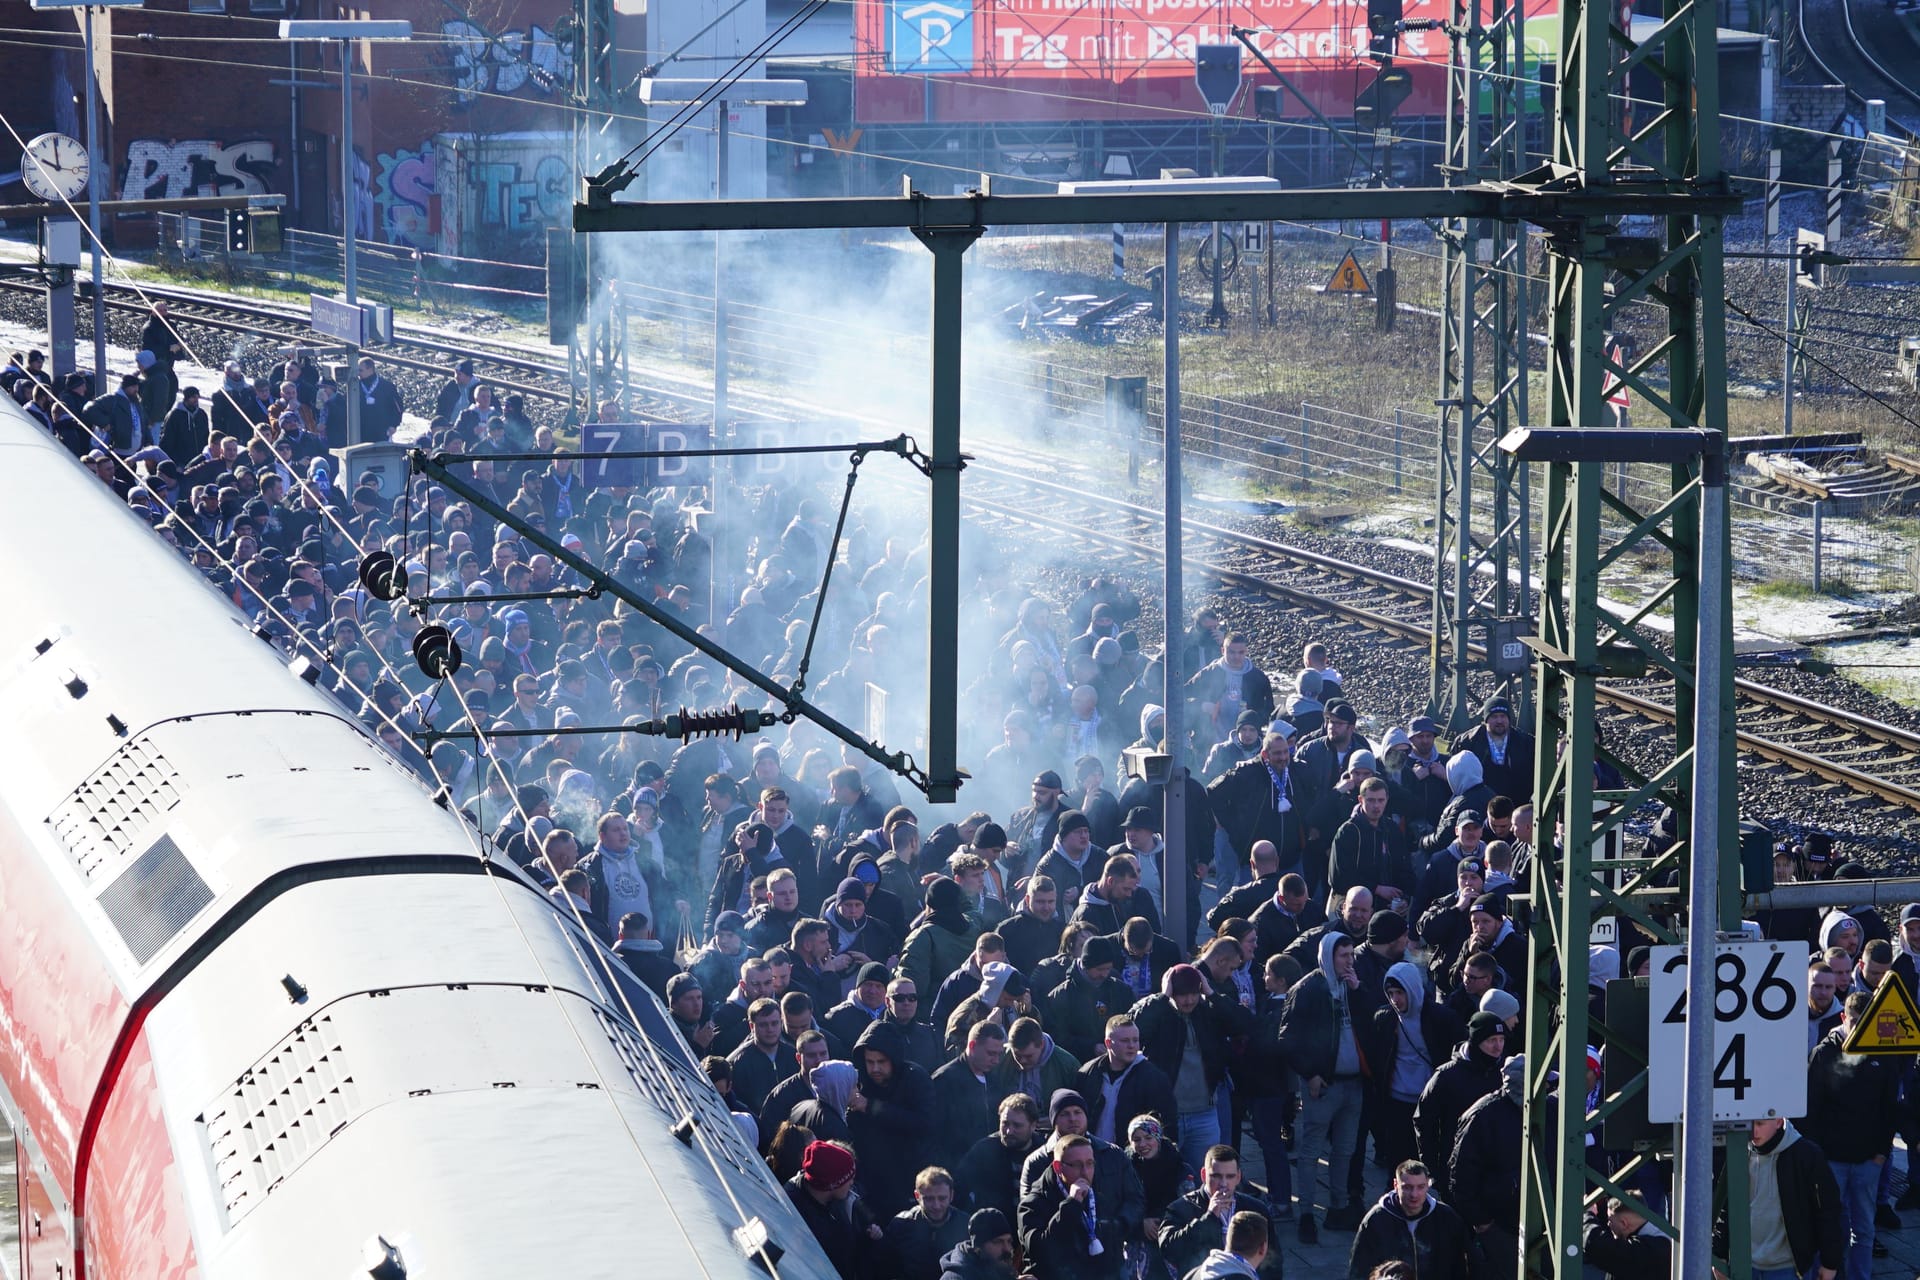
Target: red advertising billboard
[{"x": 1005, "y": 60}]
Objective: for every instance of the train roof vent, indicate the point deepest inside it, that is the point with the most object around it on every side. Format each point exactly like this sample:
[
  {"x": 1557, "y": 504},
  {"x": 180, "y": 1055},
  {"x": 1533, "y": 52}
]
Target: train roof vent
[
  {"x": 154, "y": 898},
  {"x": 649, "y": 1075},
  {"x": 276, "y": 1115},
  {"x": 108, "y": 816}
]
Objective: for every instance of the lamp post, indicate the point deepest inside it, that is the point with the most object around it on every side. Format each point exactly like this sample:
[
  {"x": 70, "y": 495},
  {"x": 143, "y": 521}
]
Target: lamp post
[
  {"x": 1173, "y": 813},
  {"x": 656, "y": 90},
  {"x": 346, "y": 32}
]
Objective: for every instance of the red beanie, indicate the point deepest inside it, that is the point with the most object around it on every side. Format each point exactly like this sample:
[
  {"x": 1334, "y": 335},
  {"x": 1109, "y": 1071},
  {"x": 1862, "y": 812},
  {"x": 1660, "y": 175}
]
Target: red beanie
[
  {"x": 1184, "y": 980},
  {"x": 826, "y": 1166}
]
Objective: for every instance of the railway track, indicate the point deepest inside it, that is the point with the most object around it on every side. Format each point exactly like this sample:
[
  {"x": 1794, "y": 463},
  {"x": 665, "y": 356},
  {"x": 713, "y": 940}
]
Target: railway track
[
  {"x": 1841, "y": 40},
  {"x": 1787, "y": 733},
  {"x": 1783, "y": 730}
]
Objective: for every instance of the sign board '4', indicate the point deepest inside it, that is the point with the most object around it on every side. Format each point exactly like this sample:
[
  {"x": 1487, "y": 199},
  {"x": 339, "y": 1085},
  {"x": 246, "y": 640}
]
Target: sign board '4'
[{"x": 1759, "y": 1033}]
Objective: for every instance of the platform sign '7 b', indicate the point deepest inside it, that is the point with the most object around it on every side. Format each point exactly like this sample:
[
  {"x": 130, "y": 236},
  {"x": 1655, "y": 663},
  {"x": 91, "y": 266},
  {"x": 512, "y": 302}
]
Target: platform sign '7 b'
[
  {"x": 1759, "y": 1033},
  {"x": 598, "y": 439}
]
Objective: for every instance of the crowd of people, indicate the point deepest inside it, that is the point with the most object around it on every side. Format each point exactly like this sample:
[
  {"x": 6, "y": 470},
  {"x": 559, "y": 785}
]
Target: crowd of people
[{"x": 972, "y": 1049}]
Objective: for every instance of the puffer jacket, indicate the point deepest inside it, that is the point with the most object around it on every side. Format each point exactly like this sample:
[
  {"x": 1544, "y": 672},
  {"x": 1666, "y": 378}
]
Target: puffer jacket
[{"x": 1465, "y": 1078}]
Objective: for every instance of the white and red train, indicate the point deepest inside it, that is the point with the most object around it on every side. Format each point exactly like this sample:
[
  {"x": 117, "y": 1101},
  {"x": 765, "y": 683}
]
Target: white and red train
[{"x": 262, "y": 1007}]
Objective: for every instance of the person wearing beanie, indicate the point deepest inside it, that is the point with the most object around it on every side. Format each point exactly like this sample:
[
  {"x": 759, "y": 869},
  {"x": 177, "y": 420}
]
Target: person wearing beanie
[
  {"x": 1494, "y": 933},
  {"x": 822, "y": 1193},
  {"x": 717, "y": 964},
  {"x": 865, "y": 1004},
  {"x": 1485, "y": 1170},
  {"x": 1077, "y": 1010},
  {"x": 1470, "y": 1074},
  {"x": 989, "y": 844},
  {"x": 1186, "y": 1035},
  {"x": 1386, "y": 946},
  {"x": 1325, "y": 767},
  {"x": 856, "y": 933},
  {"x": 940, "y": 941},
  {"x": 1369, "y": 850},
  {"x": 1505, "y": 752},
  {"x": 1071, "y": 863},
  {"x": 1503, "y": 1005},
  {"x": 1240, "y": 745},
  {"x": 1447, "y": 924},
  {"x": 986, "y": 1253}
]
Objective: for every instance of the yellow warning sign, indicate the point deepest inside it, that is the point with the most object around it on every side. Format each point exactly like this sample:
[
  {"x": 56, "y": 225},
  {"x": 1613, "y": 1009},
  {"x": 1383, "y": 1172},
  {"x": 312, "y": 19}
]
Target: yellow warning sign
[
  {"x": 1348, "y": 277},
  {"x": 1891, "y": 1025}
]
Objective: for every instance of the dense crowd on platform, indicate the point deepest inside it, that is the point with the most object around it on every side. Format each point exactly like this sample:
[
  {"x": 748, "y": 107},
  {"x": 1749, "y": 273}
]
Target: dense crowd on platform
[{"x": 973, "y": 1049}]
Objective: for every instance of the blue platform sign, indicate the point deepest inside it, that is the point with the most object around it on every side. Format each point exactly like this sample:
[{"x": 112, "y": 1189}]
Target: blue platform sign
[
  {"x": 597, "y": 439},
  {"x": 930, "y": 36}
]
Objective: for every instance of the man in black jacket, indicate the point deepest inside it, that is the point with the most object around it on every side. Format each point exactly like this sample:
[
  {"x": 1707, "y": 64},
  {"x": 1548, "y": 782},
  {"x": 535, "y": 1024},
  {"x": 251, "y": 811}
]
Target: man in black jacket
[
  {"x": 381, "y": 408},
  {"x": 1033, "y": 932},
  {"x": 185, "y": 433},
  {"x": 1506, "y": 754},
  {"x": 1368, "y": 850},
  {"x": 1241, "y": 901},
  {"x": 1485, "y": 1170},
  {"x": 766, "y": 1058},
  {"x": 1852, "y": 1109},
  {"x": 1796, "y": 1220},
  {"x": 1176, "y": 1027},
  {"x": 1265, "y": 799},
  {"x": 1196, "y": 1223},
  {"x": 1065, "y": 1231},
  {"x": 966, "y": 1097},
  {"x": 1120, "y": 1084},
  {"x": 916, "y": 1239},
  {"x": 1626, "y": 1246},
  {"x": 990, "y": 1173},
  {"x": 1280, "y": 920},
  {"x": 821, "y": 1193},
  {"x": 890, "y": 1116},
  {"x": 1469, "y": 1075},
  {"x": 1408, "y": 1224},
  {"x": 644, "y": 953}
]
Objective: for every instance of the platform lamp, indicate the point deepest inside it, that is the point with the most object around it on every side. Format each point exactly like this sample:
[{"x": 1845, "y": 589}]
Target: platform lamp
[
  {"x": 661, "y": 91},
  {"x": 346, "y": 31}
]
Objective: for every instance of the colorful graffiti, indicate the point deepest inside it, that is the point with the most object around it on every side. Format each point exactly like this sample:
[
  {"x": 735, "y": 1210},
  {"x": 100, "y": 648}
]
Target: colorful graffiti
[
  {"x": 508, "y": 63},
  {"x": 161, "y": 170},
  {"x": 498, "y": 191},
  {"x": 403, "y": 193}
]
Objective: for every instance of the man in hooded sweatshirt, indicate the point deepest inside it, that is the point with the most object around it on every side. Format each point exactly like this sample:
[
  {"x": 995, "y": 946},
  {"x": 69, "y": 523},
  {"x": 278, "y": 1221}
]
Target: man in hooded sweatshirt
[
  {"x": 1466, "y": 778},
  {"x": 1121, "y": 1084},
  {"x": 1305, "y": 712},
  {"x": 1078, "y": 1009},
  {"x": 890, "y": 1115},
  {"x": 1409, "y": 1224},
  {"x": 1796, "y": 1221},
  {"x": 1410, "y": 1037},
  {"x": 1320, "y": 1039},
  {"x": 1469, "y": 1075},
  {"x": 1249, "y": 1245}
]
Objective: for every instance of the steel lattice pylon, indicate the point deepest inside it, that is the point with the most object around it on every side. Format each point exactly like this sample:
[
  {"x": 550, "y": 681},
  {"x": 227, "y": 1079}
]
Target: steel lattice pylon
[
  {"x": 591, "y": 348},
  {"x": 1481, "y": 566},
  {"x": 1598, "y": 265}
]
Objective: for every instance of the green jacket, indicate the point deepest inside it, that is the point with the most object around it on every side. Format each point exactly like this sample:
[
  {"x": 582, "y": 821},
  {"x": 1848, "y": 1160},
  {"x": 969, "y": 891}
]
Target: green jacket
[{"x": 932, "y": 953}]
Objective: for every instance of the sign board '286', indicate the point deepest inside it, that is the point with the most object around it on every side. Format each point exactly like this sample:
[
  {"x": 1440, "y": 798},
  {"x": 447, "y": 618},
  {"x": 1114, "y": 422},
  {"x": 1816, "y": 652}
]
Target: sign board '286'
[{"x": 1759, "y": 1032}]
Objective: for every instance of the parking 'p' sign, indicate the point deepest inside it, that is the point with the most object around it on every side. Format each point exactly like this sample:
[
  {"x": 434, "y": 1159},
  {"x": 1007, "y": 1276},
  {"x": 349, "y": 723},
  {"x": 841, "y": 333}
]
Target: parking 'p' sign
[{"x": 1759, "y": 1032}]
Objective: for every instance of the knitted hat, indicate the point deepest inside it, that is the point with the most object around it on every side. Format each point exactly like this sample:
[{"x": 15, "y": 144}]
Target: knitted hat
[
  {"x": 1073, "y": 820},
  {"x": 1492, "y": 904},
  {"x": 1247, "y": 720},
  {"x": 1363, "y": 760},
  {"x": 851, "y": 888},
  {"x": 679, "y": 984},
  {"x": 990, "y": 835},
  {"x": 1500, "y": 1004},
  {"x": 1062, "y": 1099},
  {"x": 872, "y": 971},
  {"x": 1103, "y": 949},
  {"x": 1184, "y": 980},
  {"x": 826, "y": 1166},
  {"x": 987, "y": 1225},
  {"x": 730, "y": 922},
  {"x": 1484, "y": 1024},
  {"x": 1386, "y": 927}
]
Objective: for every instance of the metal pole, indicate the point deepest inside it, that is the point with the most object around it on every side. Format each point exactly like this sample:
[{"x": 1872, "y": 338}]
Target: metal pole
[
  {"x": 1695, "y": 1191},
  {"x": 719, "y": 589},
  {"x": 1786, "y": 347},
  {"x": 949, "y": 248},
  {"x": 348, "y": 279},
  {"x": 1818, "y": 512},
  {"x": 1397, "y": 469},
  {"x": 94, "y": 179},
  {"x": 1173, "y": 611}
]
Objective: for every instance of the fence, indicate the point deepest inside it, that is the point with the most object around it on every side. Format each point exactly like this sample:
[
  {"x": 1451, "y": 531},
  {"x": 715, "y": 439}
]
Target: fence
[{"x": 385, "y": 273}]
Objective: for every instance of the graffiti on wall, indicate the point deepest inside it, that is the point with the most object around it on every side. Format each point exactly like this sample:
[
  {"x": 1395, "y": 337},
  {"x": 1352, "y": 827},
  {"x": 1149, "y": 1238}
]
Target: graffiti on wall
[
  {"x": 403, "y": 193},
  {"x": 513, "y": 62},
  {"x": 499, "y": 191},
  {"x": 158, "y": 169},
  {"x": 519, "y": 196}
]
